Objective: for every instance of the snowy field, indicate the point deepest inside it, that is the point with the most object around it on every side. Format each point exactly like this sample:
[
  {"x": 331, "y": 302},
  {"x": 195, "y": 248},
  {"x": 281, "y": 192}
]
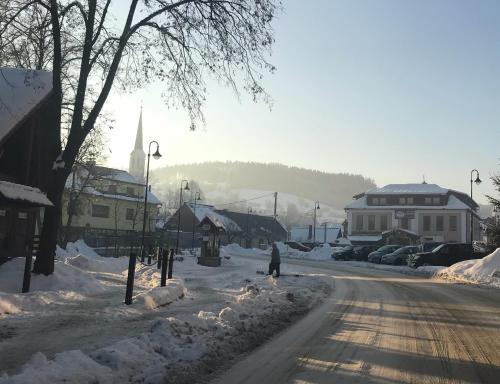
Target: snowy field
[{"x": 74, "y": 328}]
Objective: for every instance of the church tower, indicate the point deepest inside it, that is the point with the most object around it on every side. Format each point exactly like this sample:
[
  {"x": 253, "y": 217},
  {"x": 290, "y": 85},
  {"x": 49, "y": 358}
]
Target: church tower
[{"x": 138, "y": 156}]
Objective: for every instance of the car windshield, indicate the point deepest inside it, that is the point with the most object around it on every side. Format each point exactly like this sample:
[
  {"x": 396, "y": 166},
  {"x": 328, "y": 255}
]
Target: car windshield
[
  {"x": 438, "y": 248},
  {"x": 385, "y": 248}
]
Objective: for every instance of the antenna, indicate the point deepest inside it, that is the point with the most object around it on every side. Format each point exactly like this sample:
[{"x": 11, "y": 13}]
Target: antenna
[{"x": 423, "y": 179}]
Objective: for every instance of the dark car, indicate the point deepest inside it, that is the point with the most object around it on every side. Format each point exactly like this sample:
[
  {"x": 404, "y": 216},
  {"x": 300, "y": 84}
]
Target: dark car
[
  {"x": 400, "y": 256},
  {"x": 429, "y": 246},
  {"x": 298, "y": 246},
  {"x": 346, "y": 253},
  {"x": 445, "y": 255},
  {"x": 361, "y": 252},
  {"x": 374, "y": 257}
]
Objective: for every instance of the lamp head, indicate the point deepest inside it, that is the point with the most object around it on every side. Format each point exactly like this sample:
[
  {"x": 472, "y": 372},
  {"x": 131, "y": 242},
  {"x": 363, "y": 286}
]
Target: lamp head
[
  {"x": 186, "y": 188},
  {"x": 478, "y": 180},
  {"x": 317, "y": 205},
  {"x": 157, "y": 154}
]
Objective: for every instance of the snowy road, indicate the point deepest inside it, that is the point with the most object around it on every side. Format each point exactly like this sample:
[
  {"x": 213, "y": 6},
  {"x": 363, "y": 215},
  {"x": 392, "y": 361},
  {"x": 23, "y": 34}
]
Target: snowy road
[{"x": 384, "y": 327}]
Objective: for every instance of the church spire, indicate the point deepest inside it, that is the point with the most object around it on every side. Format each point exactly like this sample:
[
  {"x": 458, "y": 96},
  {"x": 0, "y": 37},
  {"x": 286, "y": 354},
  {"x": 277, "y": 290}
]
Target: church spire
[
  {"x": 138, "y": 156},
  {"x": 138, "y": 137}
]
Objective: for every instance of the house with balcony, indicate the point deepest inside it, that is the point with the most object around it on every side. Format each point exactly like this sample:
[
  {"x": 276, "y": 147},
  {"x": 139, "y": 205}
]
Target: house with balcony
[{"x": 424, "y": 212}]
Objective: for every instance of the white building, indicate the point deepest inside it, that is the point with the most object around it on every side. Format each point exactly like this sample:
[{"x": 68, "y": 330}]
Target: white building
[{"x": 427, "y": 210}]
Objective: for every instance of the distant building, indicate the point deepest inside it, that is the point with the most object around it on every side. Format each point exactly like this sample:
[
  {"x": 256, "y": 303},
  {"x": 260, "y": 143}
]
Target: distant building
[
  {"x": 248, "y": 230},
  {"x": 324, "y": 233},
  {"x": 24, "y": 115},
  {"x": 427, "y": 211}
]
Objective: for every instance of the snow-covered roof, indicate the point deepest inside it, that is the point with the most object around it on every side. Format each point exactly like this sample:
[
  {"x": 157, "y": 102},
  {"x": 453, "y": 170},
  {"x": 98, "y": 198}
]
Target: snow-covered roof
[
  {"x": 453, "y": 204},
  {"x": 219, "y": 220},
  {"x": 201, "y": 210},
  {"x": 21, "y": 90},
  {"x": 364, "y": 237},
  {"x": 413, "y": 189},
  {"x": 23, "y": 193},
  {"x": 109, "y": 174},
  {"x": 302, "y": 233}
]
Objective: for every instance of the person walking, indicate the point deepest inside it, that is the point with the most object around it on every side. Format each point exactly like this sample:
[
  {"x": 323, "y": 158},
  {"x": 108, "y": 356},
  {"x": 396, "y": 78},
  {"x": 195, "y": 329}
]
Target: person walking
[{"x": 274, "y": 265}]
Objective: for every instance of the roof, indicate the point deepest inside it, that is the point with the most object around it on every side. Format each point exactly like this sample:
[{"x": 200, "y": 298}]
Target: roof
[
  {"x": 302, "y": 233},
  {"x": 257, "y": 224},
  {"x": 24, "y": 194},
  {"x": 372, "y": 238},
  {"x": 221, "y": 221},
  {"x": 21, "y": 91},
  {"x": 453, "y": 204},
  {"x": 106, "y": 173},
  {"x": 414, "y": 189},
  {"x": 201, "y": 210}
]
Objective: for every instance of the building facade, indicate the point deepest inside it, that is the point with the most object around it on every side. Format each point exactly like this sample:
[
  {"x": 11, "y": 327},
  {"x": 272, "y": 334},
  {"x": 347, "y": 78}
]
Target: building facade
[{"x": 427, "y": 210}]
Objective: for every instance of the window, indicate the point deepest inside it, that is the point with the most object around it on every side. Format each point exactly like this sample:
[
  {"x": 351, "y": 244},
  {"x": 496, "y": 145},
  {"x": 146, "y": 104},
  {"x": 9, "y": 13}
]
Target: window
[
  {"x": 383, "y": 223},
  {"x": 439, "y": 223},
  {"x": 436, "y": 201},
  {"x": 383, "y": 201},
  {"x": 427, "y": 223},
  {"x": 409, "y": 200},
  {"x": 402, "y": 201},
  {"x": 428, "y": 200},
  {"x": 112, "y": 189},
  {"x": 129, "y": 215},
  {"x": 359, "y": 222},
  {"x": 100, "y": 210},
  {"x": 371, "y": 222},
  {"x": 375, "y": 201},
  {"x": 130, "y": 191},
  {"x": 453, "y": 223}
]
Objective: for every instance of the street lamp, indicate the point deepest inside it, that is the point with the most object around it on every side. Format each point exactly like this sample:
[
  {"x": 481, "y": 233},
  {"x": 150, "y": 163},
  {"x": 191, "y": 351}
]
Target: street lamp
[
  {"x": 316, "y": 207},
  {"x": 156, "y": 156},
  {"x": 186, "y": 188},
  {"x": 249, "y": 211},
  {"x": 477, "y": 181},
  {"x": 196, "y": 198}
]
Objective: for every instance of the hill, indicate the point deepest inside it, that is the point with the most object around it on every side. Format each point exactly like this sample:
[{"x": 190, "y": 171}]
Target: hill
[{"x": 225, "y": 182}]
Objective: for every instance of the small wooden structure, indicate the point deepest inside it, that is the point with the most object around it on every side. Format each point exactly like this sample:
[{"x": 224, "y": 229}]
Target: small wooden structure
[{"x": 210, "y": 245}]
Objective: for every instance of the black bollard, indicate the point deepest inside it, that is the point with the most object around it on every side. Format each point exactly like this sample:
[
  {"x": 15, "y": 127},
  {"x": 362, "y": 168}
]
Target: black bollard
[
  {"x": 130, "y": 278},
  {"x": 27, "y": 272},
  {"x": 159, "y": 255},
  {"x": 170, "y": 264},
  {"x": 164, "y": 265},
  {"x": 150, "y": 251}
]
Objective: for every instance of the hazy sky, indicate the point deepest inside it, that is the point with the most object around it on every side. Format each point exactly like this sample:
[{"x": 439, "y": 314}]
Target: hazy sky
[{"x": 392, "y": 90}]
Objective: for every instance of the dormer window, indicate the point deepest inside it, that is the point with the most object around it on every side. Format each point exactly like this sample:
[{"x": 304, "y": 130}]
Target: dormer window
[
  {"x": 375, "y": 201},
  {"x": 383, "y": 201},
  {"x": 402, "y": 201},
  {"x": 436, "y": 200},
  {"x": 409, "y": 200},
  {"x": 428, "y": 200}
]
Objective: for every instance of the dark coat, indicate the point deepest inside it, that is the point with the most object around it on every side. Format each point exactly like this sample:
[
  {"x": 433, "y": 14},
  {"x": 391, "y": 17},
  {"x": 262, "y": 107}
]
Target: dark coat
[{"x": 275, "y": 255}]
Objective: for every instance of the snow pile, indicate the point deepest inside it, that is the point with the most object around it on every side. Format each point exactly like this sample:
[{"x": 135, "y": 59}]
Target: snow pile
[
  {"x": 237, "y": 250},
  {"x": 483, "y": 271},
  {"x": 323, "y": 252},
  {"x": 158, "y": 296},
  {"x": 186, "y": 348}
]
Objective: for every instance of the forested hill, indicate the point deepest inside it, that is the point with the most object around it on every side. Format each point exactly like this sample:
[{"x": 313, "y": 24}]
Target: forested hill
[{"x": 335, "y": 189}]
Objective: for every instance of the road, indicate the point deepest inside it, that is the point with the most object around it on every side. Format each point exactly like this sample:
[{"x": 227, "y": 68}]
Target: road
[{"x": 383, "y": 327}]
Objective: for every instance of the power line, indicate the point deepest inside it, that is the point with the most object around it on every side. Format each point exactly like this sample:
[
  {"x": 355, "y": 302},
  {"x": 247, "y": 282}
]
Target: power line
[{"x": 244, "y": 201}]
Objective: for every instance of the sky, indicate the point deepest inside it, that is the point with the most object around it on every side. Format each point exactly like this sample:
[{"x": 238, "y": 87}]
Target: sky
[{"x": 394, "y": 90}]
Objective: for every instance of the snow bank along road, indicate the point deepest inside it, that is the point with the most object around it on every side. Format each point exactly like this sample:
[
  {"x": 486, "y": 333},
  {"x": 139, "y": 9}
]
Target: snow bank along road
[{"x": 383, "y": 327}]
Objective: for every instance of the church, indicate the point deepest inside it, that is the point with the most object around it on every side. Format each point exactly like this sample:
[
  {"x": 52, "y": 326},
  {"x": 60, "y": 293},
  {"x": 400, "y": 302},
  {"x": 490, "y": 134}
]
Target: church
[{"x": 102, "y": 198}]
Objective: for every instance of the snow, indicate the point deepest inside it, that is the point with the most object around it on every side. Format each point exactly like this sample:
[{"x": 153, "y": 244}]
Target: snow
[
  {"x": 21, "y": 90},
  {"x": 302, "y": 233},
  {"x": 221, "y": 221},
  {"x": 415, "y": 189},
  {"x": 32, "y": 195},
  {"x": 364, "y": 238},
  {"x": 223, "y": 312},
  {"x": 483, "y": 271}
]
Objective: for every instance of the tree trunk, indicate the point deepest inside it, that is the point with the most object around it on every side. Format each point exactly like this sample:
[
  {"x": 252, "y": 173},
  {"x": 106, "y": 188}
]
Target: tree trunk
[{"x": 51, "y": 223}]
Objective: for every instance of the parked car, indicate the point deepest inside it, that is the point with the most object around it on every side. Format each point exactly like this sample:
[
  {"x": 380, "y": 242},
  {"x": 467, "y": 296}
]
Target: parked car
[
  {"x": 400, "y": 256},
  {"x": 374, "y": 257},
  {"x": 298, "y": 246},
  {"x": 445, "y": 255},
  {"x": 429, "y": 246},
  {"x": 346, "y": 253},
  {"x": 361, "y": 252}
]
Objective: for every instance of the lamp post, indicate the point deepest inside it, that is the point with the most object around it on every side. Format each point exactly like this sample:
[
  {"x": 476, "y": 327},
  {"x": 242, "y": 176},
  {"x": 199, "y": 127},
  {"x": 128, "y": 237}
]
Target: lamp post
[
  {"x": 316, "y": 207},
  {"x": 196, "y": 198},
  {"x": 186, "y": 188},
  {"x": 249, "y": 211},
  {"x": 477, "y": 181},
  {"x": 156, "y": 156}
]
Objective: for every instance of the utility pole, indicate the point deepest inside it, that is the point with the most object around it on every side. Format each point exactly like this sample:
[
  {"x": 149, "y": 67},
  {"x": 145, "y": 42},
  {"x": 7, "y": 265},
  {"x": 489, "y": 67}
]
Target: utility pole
[
  {"x": 275, "y": 207},
  {"x": 325, "y": 223}
]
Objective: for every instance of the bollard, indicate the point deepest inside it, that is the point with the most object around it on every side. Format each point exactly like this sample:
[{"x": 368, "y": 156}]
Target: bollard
[
  {"x": 164, "y": 265},
  {"x": 27, "y": 272},
  {"x": 159, "y": 255},
  {"x": 150, "y": 251},
  {"x": 170, "y": 264},
  {"x": 130, "y": 278}
]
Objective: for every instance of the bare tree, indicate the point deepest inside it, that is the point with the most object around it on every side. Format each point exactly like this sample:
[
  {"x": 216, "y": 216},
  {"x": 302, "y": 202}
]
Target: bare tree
[{"x": 178, "y": 42}]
